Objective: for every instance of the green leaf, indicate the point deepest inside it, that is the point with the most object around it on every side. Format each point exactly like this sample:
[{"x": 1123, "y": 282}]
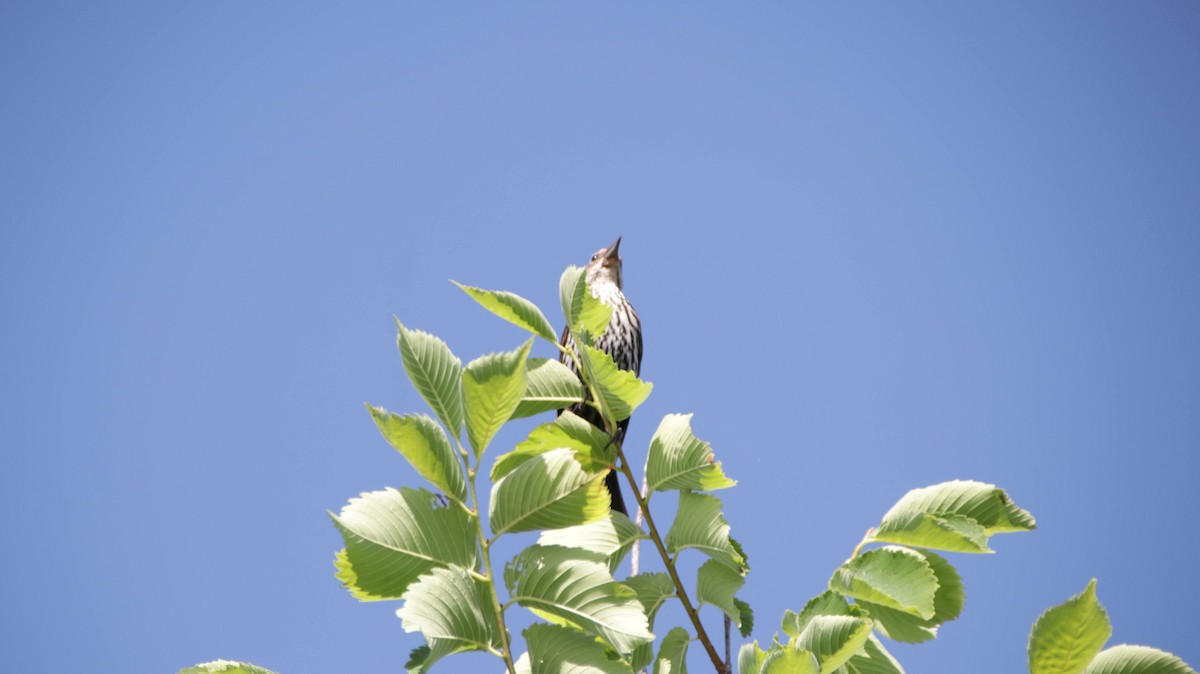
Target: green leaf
[
  {"x": 554, "y": 650},
  {"x": 393, "y": 537},
  {"x": 611, "y": 538},
  {"x": 678, "y": 460},
  {"x": 746, "y": 621},
  {"x": 893, "y": 576},
  {"x": 426, "y": 447},
  {"x": 514, "y": 309},
  {"x": 947, "y": 604},
  {"x": 716, "y": 584},
  {"x": 620, "y": 390},
  {"x": 826, "y": 603},
  {"x": 700, "y": 525},
  {"x": 790, "y": 661},
  {"x": 653, "y": 590},
  {"x": 581, "y": 309},
  {"x": 492, "y": 389},
  {"x": 225, "y": 667},
  {"x": 573, "y": 587},
  {"x": 436, "y": 374},
  {"x": 453, "y": 610},
  {"x": 548, "y": 491},
  {"x": 872, "y": 659},
  {"x": 834, "y": 639},
  {"x": 1066, "y": 638},
  {"x": 958, "y": 516},
  {"x": 1126, "y": 659},
  {"x": 421, "y": 658},
  {"x": 550, "y": 386},
  {"x": 751, "y": 658},
  {"x": 592, "y": 446},
  {"x": 672, "y": 654}
]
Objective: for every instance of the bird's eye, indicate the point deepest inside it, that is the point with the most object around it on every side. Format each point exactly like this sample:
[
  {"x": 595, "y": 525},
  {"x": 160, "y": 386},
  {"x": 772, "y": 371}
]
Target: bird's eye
[{"x": 595, "y": 257}]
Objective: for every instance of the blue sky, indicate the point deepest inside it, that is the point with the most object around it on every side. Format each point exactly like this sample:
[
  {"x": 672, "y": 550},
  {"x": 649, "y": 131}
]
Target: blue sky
[{"x": 874, "y": 247}]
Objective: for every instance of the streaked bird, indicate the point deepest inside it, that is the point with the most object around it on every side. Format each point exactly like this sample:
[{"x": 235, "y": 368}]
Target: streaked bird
[{"x": 622, "y": 340}]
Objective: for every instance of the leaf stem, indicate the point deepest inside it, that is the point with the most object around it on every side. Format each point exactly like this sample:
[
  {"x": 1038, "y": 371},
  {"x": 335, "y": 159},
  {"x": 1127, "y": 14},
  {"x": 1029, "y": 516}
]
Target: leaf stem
[
  {"x": 669, "y": 562},
  {"x": 485, "y": 550}
]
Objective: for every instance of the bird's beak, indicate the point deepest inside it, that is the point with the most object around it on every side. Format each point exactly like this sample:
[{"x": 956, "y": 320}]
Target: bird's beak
[{"x": 612, "y": 255}]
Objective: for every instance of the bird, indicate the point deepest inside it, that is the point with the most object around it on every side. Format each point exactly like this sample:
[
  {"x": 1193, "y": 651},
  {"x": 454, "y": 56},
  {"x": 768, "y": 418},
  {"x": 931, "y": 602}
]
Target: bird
[{"x": 622, "y": 341}]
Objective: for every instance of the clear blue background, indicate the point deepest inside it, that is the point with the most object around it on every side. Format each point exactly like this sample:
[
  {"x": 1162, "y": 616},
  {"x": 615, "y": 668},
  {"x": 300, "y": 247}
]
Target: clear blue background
[{"x": 874, "y": 246}]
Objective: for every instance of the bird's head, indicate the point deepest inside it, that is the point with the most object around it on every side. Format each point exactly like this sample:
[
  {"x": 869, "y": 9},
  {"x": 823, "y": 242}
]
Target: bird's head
[{"x": 605, "y": 266}]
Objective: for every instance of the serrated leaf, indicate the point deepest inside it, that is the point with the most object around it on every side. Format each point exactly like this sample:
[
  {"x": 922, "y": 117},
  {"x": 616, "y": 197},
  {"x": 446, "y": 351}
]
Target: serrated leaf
[
  {"x": 423, "y": 443},
  {"x": 1066, "y": 637},
  {"x": 561, "y": 650},
  {"x": 672, "y": 654},
  {"x": 893, "y": 576},
  {"x": 872, "y": 659},
  {"x": 582, "y": 311},
  {"x": 947, "y": 604},
  {"x": 514, "y": 309},
  {"x": 716, "y": 584},
  {"x": 393, "y": 537},
  {"x": 953, "y": 533},
  {"x": 1125, "y": 659},
  {"x": 492, "y": 389},
  {"x": 679, "y": 460},
  {"x": 548, "y": 491},
  {"x": 422, "y": 658},
  {"x": 746, "y": 621},
  {"x": 452, "y": 609},
  {"x": 574, "y": 587},
  {"x": 751, "y": 658},
  {"x": 700, "y": 525},
  {"x": 435, "y": 372},
  {"x": 592, "y": 446},
  {"x": 225, "y": 667},
  {"x": 958, "y": 516},
  {"x": 550, "y": 385},
  {"x": 611, "y": 538},
  {"x": 790, "y": 661},
  {"x": 620, "y": 390},
  {"x": 826, "y": 603},
  {"x": 834, "y": 639}
]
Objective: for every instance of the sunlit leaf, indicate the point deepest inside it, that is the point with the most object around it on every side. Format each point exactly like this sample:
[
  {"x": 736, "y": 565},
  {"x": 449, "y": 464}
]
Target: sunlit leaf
[
  {"x": 581, "y": 309},
  {"x": 420, "y": 440},
  {"x": 225, "y": 667},
  {"x": 514, "y": 309},
  {"x": 548, "y": 491},
  {"x": 893, "y": 576},
  {"x": 1066, "y": 638},
  {"x": 958, "y": 516},
  {"x": 574, "y": 587},
  {"x": 435, "y": 372},
  {"x": 679, "y": 460},
  {"x": 790, "y": 661},
  {"x": 550, "y": 386},
  {"x": 620, "y": 390},
  {"x": 751, "y": 658},
  {"x": 700, "y": 525},
  {"x": 492, "y": 389},
  {"x": 716, "y": 584},
  {"x": 453, "y": 609},
  {"x": 872, "y": 659},
  {"x": 947, "y": 604},
  {"x": 562, "y": 650},
  {"x": 672, "y": 655},
  {"x": 1126, "y": 659},
  {"x": 592, "y": 446},
  {"x": 611, "y": 538},
  {"x": 834, "y": 639},
  {"x": 393, "y": 537}
]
